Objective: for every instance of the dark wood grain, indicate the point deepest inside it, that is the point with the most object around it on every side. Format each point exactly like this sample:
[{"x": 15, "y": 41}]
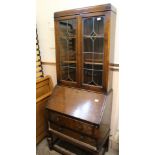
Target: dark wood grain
[
  {"x": 108, "y": 57},
  {"x": 98, "y": 8},
  {"x": 73, "y": 134},
  {"x": 79, "y": 58},
  {"x": 79, "y": 108},
  {"x": 106, "y": 52},
  {"x": 81, "y": 104},
  {"x": 74, "y": 127},
  {"x": 71, "y": 123},
  {"x": 57, "y": 52}
]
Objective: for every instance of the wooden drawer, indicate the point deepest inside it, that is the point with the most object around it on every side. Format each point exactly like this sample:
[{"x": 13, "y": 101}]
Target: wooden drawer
[
  {"x": 73, "y": 124},
  {"x": 73, "y": 134}
]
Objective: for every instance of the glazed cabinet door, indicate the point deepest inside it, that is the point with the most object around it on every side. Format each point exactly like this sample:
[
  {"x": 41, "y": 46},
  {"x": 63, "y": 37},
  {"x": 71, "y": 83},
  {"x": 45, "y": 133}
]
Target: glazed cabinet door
[
  {"x": 93, "y": 51},
  {"x": 66, "y": 42},
  {"x": 82, "y": 43}
]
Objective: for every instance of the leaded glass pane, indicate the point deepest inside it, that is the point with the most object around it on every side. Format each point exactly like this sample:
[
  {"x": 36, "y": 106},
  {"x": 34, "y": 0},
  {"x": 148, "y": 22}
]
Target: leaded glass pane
[
  {"x": 67, "y": 46},
  {"x": 99, "y": 25},
  {"x": 88, "y": 26},
  {"x": 93, "y": 44}
]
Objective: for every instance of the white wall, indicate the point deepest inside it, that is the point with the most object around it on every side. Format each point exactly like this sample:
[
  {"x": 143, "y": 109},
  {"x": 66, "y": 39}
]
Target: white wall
[
  {"x": 45, "y": 22},
  {"x": 45, "y": 26}
]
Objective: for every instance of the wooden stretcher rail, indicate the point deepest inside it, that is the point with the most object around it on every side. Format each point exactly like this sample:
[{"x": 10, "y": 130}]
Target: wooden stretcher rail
[{"x": 72, "y": 139}]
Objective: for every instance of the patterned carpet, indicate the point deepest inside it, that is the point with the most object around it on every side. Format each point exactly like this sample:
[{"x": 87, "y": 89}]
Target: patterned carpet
[{"x": 42, "y": 149}]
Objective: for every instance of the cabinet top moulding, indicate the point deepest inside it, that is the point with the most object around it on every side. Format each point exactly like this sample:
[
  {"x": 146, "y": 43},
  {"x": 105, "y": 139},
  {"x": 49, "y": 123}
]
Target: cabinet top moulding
[{"x": 91, "y": 9}]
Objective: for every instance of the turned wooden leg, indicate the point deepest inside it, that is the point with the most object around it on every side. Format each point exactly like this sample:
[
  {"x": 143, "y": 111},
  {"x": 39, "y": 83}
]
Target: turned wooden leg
[
  {"x": 50, "y": 142},
  {"x": 95, "y": 153},
  {"x": 103, "y": 152},
  {"x": 107, "y": 145}
]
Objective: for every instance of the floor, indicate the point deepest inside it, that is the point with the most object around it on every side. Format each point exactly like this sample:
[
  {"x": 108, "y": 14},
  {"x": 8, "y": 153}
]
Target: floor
[{"x": 42, "y": 149}]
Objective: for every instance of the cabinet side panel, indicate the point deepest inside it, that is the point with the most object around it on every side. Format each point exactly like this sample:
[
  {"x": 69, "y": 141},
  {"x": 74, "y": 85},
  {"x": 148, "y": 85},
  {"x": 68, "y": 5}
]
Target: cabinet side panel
[
  {"x": 106, "y": 51},
  {"x": 79, "y": 50},
  {"x": 112, "y": 47},
  {"x": 106, "y": 118},
  {"x": 57, "y": 51}
]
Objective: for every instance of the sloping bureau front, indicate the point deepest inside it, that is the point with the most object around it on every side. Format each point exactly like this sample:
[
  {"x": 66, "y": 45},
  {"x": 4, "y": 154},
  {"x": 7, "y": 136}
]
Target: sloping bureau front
[{"x": 80, "y": 104}]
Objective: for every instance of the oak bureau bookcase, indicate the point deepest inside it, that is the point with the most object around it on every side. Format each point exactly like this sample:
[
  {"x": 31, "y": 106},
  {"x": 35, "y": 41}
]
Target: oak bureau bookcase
[{"x": 79, "y": 111}]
